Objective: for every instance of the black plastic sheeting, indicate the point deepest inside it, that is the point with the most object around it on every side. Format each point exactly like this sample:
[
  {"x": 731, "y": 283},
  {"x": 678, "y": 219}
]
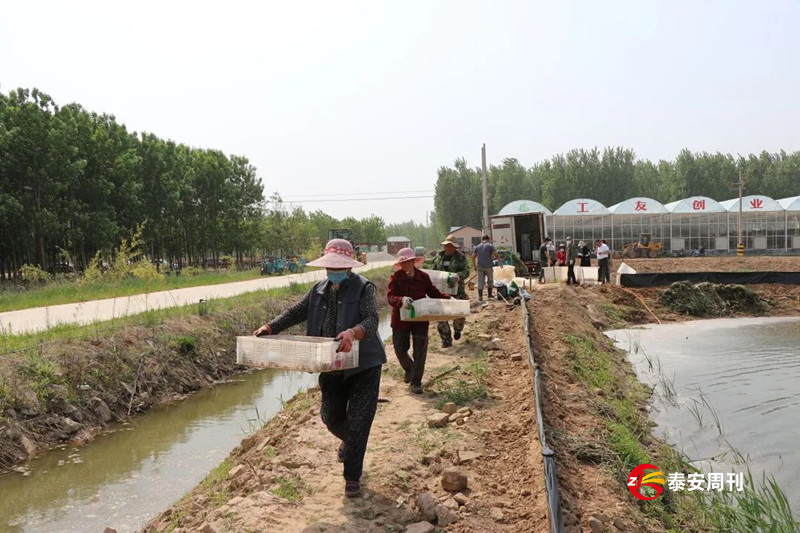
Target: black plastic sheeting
[
  {"x": 739, "y": 278},
  {"x": 550, "y": 478}
]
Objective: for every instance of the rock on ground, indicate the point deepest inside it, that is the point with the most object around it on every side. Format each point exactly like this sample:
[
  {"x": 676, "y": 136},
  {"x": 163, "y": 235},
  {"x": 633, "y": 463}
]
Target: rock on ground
[
  {"x": 454, "y": 480},
  {"x": 421, "y": 527}
]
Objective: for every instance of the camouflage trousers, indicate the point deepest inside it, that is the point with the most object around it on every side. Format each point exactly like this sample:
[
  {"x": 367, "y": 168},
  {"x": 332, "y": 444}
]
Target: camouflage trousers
[{"x": 458, "y": 325}]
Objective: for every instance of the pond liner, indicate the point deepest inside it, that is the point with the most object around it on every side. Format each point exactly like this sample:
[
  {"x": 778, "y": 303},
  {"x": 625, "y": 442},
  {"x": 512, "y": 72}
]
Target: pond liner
[
  {"x": 548, "y": 455},
  {"x": 660, "y": 279}
]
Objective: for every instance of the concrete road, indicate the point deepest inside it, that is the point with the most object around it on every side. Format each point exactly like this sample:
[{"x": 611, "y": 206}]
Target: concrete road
[{"x": 42, "y": 318}]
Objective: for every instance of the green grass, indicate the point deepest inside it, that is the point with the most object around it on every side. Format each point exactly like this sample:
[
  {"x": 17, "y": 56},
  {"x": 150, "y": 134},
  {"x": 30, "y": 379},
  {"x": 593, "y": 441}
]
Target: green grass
[
  {"x": 468, "y": 388},
  {"x": 10, "y": 342},
  {"x": 289, "y": 489},
  {"x": 761, "y": 507},
  {"x": 80, "y": 290}
]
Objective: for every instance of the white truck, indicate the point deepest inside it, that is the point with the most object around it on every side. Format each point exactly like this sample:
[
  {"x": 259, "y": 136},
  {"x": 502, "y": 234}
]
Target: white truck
[{"x": 521, "y": 234}]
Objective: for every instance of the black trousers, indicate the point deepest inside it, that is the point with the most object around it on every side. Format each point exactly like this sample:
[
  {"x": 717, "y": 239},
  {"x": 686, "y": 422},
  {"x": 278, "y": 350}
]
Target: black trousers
[
  {"x": 348, "y": 408},
  {"x": 571, "y": 273},
  {"x": 603, "y": 274},
  {"x": 402, "y": 340}
]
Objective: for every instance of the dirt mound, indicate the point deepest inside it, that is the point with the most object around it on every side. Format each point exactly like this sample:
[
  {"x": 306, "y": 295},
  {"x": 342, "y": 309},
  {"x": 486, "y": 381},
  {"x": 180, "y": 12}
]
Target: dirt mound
[{"x": 712, "y": 299}]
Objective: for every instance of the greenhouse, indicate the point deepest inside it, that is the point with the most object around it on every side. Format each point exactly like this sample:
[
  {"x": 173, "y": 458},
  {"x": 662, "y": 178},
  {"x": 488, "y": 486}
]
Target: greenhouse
[
  {"x": 583, "y": 219},
  {"x": 697, "y": 221},
  {"x": 636, "y": 216},
  {"x": 791, "y": 207},
  {"x": 763, "y": 223},
  {"x": 677, "y": 227}
]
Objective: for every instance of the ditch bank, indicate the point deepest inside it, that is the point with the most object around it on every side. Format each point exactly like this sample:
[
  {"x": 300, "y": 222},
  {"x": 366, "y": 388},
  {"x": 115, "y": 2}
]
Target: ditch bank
[
  {"x": 479, "y": 468},
  {"x": 68, "y": 389}
]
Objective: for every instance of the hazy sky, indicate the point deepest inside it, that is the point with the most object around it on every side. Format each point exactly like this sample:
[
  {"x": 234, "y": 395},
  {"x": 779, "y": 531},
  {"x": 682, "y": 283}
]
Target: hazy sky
[{"x": 336, "y": 97}]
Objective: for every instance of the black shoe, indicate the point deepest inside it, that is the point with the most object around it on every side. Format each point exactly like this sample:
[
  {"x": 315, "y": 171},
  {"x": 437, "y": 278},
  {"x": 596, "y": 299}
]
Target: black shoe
[
  {"x": 490, "y": 296},
  {"x": 480, "y": 296},
  {"x": 447, "y": 344},
  {"x": 407, "y": 377},
  {"x": 352, "y": 489},
  {"x": 415, "y": 388},
  {"x": 457, "y": 335}
]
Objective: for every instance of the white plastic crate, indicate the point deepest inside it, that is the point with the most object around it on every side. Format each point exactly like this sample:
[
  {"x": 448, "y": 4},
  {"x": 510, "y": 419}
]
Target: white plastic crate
[
  {"x": 295, "y": 352},
  {"x": 435, "y": 310},
  {"x": 439, "y": 279}
]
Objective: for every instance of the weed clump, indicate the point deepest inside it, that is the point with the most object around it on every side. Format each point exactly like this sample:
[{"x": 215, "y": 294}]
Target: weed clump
[{"x": 712, "y": 299}]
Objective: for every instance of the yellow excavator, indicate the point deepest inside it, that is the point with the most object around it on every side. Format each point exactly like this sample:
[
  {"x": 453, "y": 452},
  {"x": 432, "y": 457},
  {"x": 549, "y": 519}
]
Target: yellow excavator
[{"x": 645, "y": 247}]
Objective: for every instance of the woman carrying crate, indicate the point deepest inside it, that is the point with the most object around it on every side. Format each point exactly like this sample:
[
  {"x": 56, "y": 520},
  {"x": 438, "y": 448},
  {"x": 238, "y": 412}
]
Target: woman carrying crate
[
  {"x": 343, "y": 306},
  {"x": 407, "y": 284}
]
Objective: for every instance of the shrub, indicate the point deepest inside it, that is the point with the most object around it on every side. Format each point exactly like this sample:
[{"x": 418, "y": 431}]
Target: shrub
[{"x": 34, "y": 274}]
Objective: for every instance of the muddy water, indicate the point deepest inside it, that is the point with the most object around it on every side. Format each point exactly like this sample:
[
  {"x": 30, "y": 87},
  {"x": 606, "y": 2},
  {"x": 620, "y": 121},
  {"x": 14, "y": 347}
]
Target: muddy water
[
  {"x": 734, "y": 380},
  {"x": 127, "y": 476}
]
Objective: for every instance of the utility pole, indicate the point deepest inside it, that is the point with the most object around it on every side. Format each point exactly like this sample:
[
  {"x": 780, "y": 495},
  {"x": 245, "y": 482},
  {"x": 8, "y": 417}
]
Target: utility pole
[
  {"x": 740, "y": 244},
  {"x": 486, "y": 229}
]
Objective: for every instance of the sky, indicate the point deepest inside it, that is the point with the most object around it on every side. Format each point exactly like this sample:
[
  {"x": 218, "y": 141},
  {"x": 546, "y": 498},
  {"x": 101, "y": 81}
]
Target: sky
[{"x": 335, "y": 101}]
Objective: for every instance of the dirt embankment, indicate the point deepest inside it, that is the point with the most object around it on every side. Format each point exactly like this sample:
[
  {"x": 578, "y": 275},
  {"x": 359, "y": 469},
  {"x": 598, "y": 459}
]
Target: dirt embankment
[
  {"x": 748, "y": 263},
  {"x": 285, "y": 477},
  {"x": 69, "y": 390}
]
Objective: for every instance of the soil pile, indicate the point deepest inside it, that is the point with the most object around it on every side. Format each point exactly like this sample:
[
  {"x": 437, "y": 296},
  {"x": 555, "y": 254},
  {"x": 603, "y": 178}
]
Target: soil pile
[{"x": 712, "y": 299}]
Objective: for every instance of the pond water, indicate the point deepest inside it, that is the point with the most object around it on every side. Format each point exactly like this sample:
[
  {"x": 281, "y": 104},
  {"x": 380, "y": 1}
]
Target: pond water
[
  {"x": 128, "y": 475},
  {"x": 723, "y": 384}
]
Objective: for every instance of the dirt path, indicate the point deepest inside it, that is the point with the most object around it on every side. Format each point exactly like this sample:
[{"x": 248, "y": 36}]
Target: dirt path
[
  {"x": 42, "y": 318},
  {"x": 294, "y": 457}
]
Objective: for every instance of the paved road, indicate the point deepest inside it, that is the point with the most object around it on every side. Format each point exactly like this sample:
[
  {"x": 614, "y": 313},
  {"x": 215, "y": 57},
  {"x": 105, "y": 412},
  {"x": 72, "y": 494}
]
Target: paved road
[{"x": 42, "y": 318}]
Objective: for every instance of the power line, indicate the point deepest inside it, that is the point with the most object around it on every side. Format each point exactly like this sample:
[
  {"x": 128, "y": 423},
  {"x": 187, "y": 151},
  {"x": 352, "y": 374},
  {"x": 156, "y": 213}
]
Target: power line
[
  {"x": 359, "y": 199},
  {"x": 358, "y": 193}
]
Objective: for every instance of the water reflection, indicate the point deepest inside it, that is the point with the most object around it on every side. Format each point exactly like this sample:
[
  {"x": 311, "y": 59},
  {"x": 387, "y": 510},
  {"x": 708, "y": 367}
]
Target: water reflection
[
  {"x": 735, "y": 382},
  {"x": 128, "y": 475},
  {"x": 134, "y": 471}
]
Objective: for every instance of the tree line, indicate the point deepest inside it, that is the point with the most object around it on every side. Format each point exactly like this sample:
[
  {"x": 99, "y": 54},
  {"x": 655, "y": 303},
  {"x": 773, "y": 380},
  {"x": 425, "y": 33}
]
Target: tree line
[
  {"x": 74, "y": 183},
  {"x": 610, "y": 176}
]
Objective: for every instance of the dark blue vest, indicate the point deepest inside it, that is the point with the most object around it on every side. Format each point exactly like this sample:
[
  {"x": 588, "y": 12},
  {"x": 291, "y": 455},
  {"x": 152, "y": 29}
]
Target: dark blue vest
[{"x": 370, "y": 350}]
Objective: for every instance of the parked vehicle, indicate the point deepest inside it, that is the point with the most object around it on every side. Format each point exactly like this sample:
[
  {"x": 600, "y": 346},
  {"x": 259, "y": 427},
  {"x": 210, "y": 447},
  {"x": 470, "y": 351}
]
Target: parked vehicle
[{"x": 520, "y": 234}]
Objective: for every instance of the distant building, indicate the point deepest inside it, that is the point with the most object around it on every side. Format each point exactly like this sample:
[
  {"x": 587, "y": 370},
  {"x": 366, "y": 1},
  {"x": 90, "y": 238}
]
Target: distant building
[
  {"x": 467, "y": 236},
  {"x": 395, "y": 244}
]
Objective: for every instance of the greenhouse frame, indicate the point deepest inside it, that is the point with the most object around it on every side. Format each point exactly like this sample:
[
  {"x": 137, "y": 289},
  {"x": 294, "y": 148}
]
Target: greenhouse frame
[{"x": 768, "y": 226}]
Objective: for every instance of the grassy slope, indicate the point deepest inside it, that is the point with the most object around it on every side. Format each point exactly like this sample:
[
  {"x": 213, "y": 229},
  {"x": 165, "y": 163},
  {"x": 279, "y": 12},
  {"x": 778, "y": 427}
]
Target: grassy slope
[{"x": 80, "y": 290}]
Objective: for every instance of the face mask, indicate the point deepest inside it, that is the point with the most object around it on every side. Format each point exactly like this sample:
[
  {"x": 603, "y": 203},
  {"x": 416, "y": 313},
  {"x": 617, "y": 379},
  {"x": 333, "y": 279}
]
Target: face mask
[{"x": 337, "y": 276}]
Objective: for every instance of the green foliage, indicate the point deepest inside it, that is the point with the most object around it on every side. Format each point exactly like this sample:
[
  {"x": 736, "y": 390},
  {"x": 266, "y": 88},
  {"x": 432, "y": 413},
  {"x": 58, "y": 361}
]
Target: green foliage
[
  {"x": 609, "y": 176},
  {"x": 192, "y": 271},
  {"x": 41, "y": 373},
  {"x": 185, "y": 344},
  {"x": 33, "y": 274}
]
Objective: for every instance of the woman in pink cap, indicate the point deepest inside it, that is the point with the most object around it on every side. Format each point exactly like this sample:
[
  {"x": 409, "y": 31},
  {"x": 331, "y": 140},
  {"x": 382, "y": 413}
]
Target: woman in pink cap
[
  {"x": 407, "y": 284},
  {"x": 343, "y": 306}
]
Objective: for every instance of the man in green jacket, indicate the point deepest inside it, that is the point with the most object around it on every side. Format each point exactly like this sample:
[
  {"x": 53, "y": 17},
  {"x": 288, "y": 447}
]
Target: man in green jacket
[
  {"x": 452, "y": 260},
  {"x": 572, "y": 256}
]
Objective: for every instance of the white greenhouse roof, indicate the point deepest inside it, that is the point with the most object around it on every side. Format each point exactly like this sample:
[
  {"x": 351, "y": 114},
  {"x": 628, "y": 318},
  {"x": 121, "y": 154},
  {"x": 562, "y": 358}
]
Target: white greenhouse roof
[
  {"x": 582, "y": 207},
  {"x": 398, "y": 239},
  {"x": 752, "y": 203},
  {"x": 695, "y": 204},
  {"x": 790, "y": 204},
  {"x": 638, "y": 206},
  {"x": 523, "y": 206}
]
